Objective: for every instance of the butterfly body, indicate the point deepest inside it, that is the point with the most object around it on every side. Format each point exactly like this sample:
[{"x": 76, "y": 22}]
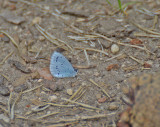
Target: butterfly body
[{"x": 60, "y": 67}]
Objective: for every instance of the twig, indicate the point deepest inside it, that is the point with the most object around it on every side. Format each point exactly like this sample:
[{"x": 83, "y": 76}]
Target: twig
[
  {"x": 130, "y": 68},
  {"x": 29, "y": 3},
  {"x": 87, "y": 58},
  {"x": 77, "y": 92},
  {"x": 91, "y": 49},
  {"x": 44, "y": 116},
  {"x": 84, "y": 67},
  {"x": 32, "y": 89},
  {"x": 60, "y": 105},
  {"x": 5, "y": 110},
  {"x": 85, "y": 38},
  {"x": 113, "y": 57},
  {"x": 146, "y": 35},
  {"x": 40, "y": 108},
  {"x": 24, "y": 118},
  {"x": 38, "y": 53},
  {"x": 80, "y": 118},
  {"x": 135, "y": 46},
  {"x": 145, "y": 11},
  {"x": 2, "y": 62},
  {"x": 5, "y": 76},
  {"x": 75, "y": 28},
  {"x": 81, "y": 104},
  {"x": 145, "y": 29},
  {"x": 99, "y": 87},
  {"x": 100, "y": 45},
  {"x": 9, "y": 104},
  {"x": 51, "y": 37},
  {"x": 63, "y": 124},
  {"x": 155, "y": 21},
  {"x": 104, "y": 37},
  {"x": 80, "y": 95},
  {"x": 13, "y": 41},
  {"x": 13, "y": 106},
  {"x": 138, "y": 61}
]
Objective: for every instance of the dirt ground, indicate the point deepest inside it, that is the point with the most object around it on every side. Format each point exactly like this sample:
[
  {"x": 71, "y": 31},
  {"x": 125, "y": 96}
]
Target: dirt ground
[{"x": 31, "y": 30}]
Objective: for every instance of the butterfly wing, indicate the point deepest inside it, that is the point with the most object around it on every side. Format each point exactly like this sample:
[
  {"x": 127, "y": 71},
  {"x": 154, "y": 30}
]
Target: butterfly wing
[{"x": 60, "y": 67}]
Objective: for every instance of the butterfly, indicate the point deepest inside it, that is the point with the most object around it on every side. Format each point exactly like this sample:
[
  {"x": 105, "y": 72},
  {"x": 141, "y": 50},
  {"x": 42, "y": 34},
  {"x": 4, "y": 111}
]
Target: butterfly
[{"x": 60, "y": 67}]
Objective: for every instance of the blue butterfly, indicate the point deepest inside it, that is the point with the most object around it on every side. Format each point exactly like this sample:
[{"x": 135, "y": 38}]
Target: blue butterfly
[{"x": 60, "y": 67}]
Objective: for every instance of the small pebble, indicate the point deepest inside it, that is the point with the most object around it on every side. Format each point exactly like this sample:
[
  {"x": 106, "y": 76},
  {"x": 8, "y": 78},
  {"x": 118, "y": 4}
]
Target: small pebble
[
  {"x": 41, "y": 38},
  {"x": 96, "y": 74},
  {"x": 15, "y": 28},
  {"x": 53, "y": 98},
  {"x": 69, "y": 92},
  {"x": 113, "y": 106},
  {"x": 4, "y": 90},
  {"x": 36, "y": 20},
  {"x": 20, "y": 88},
  {"x": 114, "y": 48},
  {"x": 40, "y": 80}
]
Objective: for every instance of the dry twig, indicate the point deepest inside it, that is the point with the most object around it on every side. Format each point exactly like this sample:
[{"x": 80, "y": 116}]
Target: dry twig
[
  {"x": 135, "y": 46},
  {"x": 13, "y": 41},
  {"x": 91, "y": 49},
  {"x": 10, "y": 54},
  {"x": 99, "y": 87},
  {"x": 145, "y": 29},
  {"x": 81, "y": 104},
  {"x": 50, "y": 37}
]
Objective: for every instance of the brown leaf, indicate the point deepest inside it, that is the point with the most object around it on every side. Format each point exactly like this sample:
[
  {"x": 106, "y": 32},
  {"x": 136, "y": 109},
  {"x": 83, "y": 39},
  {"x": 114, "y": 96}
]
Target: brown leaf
[
  {"x": 112, "y": 66},
  {"x": 1, "y": 35},
  {"x": 28, "y": 106},
  {"x": 45, "y": 73},
  {"x": 135, "y": 42},
  {"x": 146, "y": 65}
]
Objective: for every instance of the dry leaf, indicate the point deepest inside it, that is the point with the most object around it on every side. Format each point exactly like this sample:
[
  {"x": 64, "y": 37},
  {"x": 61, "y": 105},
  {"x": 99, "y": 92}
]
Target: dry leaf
[
  {"x": 112, "y": 66},
  {"x": 45, "y": 73},
  {"x": 1, "y": 35},
  {"x": 135, "y": 42},
  {"x": 146, "y": 65}
]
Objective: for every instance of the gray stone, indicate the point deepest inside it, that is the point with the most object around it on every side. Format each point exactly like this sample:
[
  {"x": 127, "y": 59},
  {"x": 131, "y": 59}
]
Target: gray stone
[{"x": 4, "y": 90}]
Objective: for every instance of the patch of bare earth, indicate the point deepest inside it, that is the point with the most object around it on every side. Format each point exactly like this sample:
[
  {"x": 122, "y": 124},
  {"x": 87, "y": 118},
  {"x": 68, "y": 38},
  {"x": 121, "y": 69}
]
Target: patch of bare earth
[{"x": 106, "y": 45}]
